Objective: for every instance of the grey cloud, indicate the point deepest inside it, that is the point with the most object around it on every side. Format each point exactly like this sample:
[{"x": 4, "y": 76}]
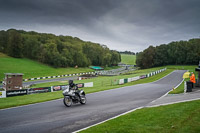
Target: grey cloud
[{"x": 120, "y": 24}]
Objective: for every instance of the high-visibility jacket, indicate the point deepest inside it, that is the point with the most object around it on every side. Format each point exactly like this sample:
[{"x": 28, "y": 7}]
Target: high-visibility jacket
[{"x": 192, "y": 78}]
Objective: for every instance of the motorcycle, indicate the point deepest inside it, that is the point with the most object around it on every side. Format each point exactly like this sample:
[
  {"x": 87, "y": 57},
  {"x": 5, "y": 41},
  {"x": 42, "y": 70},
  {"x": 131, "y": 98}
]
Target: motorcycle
[{"x": 73, "y": 96}]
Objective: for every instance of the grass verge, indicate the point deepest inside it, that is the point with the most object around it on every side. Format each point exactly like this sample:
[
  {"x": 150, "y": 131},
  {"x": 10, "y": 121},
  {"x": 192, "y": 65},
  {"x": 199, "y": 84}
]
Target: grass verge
[
  {"x": 175, "y": 118},
  {"x": 179, "y": 89}
]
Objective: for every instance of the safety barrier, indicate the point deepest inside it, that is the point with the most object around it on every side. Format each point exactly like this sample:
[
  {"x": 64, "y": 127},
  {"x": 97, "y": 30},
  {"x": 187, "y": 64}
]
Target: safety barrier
[
  {"x": 58, "y": 76},
  {"x": 123, "y": 81}
]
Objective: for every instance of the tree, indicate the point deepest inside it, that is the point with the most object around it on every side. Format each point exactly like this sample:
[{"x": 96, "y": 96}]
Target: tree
[
  {"x": 148, "y": 57},
  {"x": 3, "y": 41},
  {"x": 57, "y": 51},
  {"x": 174, "y": 53},
  {"x": 161, "y": 55},
  {"x": 15, "y": 46}
]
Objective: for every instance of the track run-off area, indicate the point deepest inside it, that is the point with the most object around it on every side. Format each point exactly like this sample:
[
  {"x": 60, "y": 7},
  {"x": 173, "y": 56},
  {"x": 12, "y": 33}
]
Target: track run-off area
[{"x": 53, "y": 116}]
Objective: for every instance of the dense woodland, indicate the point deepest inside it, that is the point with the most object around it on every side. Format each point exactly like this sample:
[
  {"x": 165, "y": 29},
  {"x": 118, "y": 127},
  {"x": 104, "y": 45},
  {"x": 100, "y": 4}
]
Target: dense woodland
[
  {"x": 57, "y": 51},
  {"x": 174, "y": 53}
]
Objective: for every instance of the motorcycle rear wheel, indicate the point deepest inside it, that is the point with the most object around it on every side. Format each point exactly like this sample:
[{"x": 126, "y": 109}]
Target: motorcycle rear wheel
[{"x": 67, "y": 101}]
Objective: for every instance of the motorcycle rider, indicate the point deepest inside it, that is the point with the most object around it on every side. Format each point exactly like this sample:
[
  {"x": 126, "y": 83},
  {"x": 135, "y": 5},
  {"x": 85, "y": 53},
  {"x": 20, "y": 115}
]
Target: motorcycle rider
[{"x": 74, "y": 87}]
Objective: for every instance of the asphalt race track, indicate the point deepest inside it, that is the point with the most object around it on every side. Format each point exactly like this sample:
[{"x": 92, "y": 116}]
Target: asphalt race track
[{"x": 53, "y": 116}]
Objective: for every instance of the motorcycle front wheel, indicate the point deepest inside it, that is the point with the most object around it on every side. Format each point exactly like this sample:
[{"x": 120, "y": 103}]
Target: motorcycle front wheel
[
  {"x": 67, "y": 101},
  {"x": 83, "y": 99}
]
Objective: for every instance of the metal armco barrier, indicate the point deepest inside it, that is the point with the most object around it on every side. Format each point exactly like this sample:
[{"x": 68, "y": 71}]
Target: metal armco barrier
[{"x": 122, "y": 81}]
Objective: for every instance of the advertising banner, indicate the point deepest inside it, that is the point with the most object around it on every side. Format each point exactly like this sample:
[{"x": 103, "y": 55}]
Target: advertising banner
[
  {"x": 121, "y": 81},
  {"x": 129, "y": 79},
  {"x": 142, "y": 76},
  {"x": 135, "y": 78},
  {"x": 39, "y": 90},
  {"x": 80, "y": 85},
  {"x": 57, "y": 88},
  {"x": 90, "y": 84},
  {"x": 125, "y": 80},
  {"x": 16, "y": 92},
  {"x": 63, "y": 87},
  {"x": 2, "y": 94}
]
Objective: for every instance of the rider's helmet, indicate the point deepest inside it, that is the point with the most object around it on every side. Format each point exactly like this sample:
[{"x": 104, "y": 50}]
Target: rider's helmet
[{"x": 71, "y": 83}]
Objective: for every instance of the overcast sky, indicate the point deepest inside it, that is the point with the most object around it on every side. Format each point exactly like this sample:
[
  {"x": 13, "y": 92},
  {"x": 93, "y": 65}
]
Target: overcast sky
[{"x": 120, "y": 24}]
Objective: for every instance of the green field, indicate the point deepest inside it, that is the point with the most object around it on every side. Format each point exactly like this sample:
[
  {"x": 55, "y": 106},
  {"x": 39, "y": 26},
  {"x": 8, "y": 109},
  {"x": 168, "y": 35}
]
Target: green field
[
  {"x": 128, "y": 59},
  {"x": 32, "y": 69},
  {"x": 175, "y": 118}
]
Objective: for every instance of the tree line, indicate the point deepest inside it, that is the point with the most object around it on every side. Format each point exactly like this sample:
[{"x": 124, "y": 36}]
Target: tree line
[
  {"x": 174, "y": 53},
  {"x": 57, "y": 51}
]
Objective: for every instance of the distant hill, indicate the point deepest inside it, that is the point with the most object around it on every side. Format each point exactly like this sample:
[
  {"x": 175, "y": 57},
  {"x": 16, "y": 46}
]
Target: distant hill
[
  {"x": 128, "y": 59},
  {"x": 127, "y": 52},
  {"x": 56, "y": 51},
  {"x": 32, "y": 69}
]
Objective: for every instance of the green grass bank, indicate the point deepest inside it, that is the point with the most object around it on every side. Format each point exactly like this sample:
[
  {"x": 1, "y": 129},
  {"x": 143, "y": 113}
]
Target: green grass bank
[
  {"x": 33, "y": 69},
  {"x": 175, "y": 118}
]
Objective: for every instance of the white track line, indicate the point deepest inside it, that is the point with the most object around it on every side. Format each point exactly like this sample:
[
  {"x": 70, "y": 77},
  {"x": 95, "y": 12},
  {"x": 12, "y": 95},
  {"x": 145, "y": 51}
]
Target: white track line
[{"x": 168, "y": 92}]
